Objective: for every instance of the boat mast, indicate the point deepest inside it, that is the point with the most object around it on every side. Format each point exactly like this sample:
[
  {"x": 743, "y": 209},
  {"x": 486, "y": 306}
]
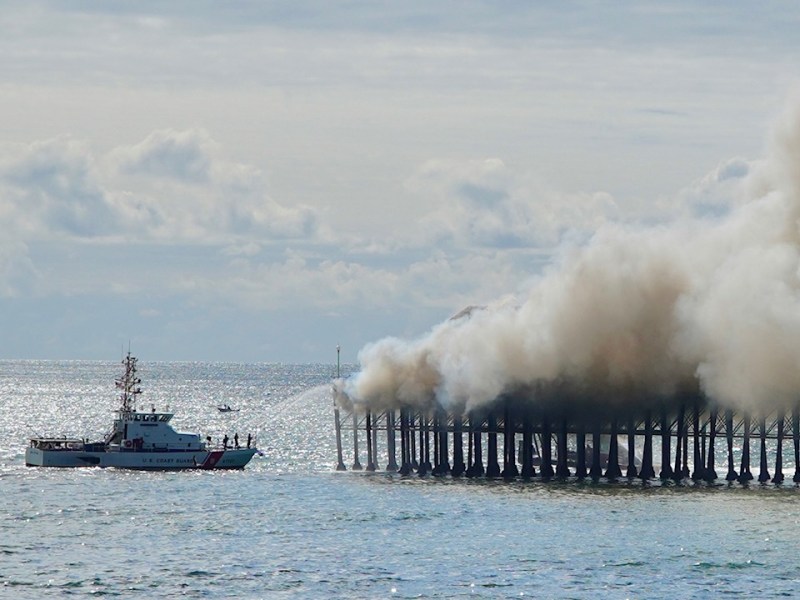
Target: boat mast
[{"x": 128, "y": 384}]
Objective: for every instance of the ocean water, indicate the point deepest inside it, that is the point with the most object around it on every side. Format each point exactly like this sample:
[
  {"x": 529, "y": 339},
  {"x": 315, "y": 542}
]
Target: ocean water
[{"x": 288, "y": 526}]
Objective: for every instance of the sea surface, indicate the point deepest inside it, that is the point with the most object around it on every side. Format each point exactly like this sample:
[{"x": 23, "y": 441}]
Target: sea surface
[{"x": 288, "y": 526}]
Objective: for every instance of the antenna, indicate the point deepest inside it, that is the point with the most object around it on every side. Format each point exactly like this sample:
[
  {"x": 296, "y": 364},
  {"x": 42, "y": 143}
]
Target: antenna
[
  {"x": 129, "y": 384},
  {"x": 338, "y": 349}
]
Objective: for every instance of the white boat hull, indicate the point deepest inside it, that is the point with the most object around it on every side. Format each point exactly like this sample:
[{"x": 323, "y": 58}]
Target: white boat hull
[{"x": 141, "y": 460}]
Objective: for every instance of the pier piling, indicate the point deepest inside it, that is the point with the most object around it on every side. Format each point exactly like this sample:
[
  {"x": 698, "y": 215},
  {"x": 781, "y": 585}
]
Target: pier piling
[
  {"x": 546, "y": 468},
  {"x": 492, "y": 466},
  {"x": 562, "y": 463},
  {"x": 585, "y": 445},
  {"x": 763, "y": 473},
  {"x": 580, "y": 459},
  {"x": 458, "y": 447},
  {"x": 778, "y": 477},
  {"x": 647, "y": 472},
  {"x": 744, "y": 472}
]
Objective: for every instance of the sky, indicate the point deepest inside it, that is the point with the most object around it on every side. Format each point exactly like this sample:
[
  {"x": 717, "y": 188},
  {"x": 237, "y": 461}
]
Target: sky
[{"x": 264, "y": 181}]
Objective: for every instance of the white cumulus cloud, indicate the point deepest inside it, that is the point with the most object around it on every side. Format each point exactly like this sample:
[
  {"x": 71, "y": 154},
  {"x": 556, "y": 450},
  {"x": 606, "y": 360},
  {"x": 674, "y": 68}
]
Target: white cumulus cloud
[
  {"x": 173, "y": 186},
  {"x": 484, "y": 203}
]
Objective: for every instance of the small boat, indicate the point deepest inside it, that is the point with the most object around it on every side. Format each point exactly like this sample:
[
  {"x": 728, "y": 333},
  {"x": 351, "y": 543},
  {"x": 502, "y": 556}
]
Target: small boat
[
  {"x": 139, "y": 440},
  {"x": 227, "y": 408}
]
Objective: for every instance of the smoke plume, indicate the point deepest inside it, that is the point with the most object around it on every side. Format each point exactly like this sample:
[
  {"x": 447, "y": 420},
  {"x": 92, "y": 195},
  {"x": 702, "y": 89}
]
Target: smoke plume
[{"x": 635, "y": 316}]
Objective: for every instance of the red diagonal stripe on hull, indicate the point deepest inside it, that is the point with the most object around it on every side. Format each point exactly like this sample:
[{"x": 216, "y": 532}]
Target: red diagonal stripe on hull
[{"x": 212, "y": 459}]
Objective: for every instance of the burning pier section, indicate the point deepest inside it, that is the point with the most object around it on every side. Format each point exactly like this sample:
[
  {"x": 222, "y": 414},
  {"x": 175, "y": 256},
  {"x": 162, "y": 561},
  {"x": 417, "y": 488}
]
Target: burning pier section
[
  {"x": 668, "y": 351},
  {"x": 690, "y": 439}
]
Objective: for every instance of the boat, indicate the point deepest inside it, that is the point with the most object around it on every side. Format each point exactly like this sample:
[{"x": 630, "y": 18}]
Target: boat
[
  {"x": 227, "y": 408},
  {"x": 139, "y": 440}
]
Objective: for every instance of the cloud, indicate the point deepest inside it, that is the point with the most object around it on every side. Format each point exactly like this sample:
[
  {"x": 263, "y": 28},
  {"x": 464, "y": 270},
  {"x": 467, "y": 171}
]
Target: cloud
[
  {"x": 719, "y": 191},
  {"x": 320, "y": 279},
  {"x": 172, "y": 187},
  {"x": 181, "y": 155},
  {"x": 52, "y": 186},
  {"x": 484, "y": 203},
  {"x": 247, "y": 249},
  {"x": 17, "y": 270}
]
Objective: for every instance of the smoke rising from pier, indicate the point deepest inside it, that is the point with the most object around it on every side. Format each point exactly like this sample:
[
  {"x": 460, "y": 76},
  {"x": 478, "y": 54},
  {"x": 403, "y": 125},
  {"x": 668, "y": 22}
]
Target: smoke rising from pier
[{"x": 635, "y": 316}]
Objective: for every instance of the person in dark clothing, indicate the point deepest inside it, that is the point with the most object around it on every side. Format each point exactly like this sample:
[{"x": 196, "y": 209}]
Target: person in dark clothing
[
  {"x": 236, "y": 440},
  {"x": 225, "y": 442},
  {"x": 249, "y": 439}
]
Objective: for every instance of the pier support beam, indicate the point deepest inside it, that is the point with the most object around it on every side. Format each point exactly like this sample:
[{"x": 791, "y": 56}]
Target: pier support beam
[
  {"x": 338, "y": 425},
  {"x": 405, "y": 451},
  {"x": 580, "y": 462},
  {"x": 631, "y": 472},
  {"x": 424, "y": 447},
  {"x": 685, "y": 473},
  {"x": 711, "y": 472},
  {"x": 391, "y": 466},
  {"x": 442, "y": 455},
  {"x": 475, "y": 467},
  {"x": 510, "y": 470},
  {"x": 732, "y": 474},
  {"x": 744, "y": 472},
  {"x": 492, "y": 466},
  {"x": 677, "y": 473},
  {"x": 778, "y": 478},
  {"x": 527, "y": 447},
  {"x": 596, "y": 470},
  {"x": 546, "y": 469},
  {"x": 562, "y": 467},
  {"x": 666, "y": 446},
  {"x": 612, "y": 468},
  {"x": 698, "y": 468},
  {"x": 444, "y": 450},
  {"x": 427, "y": 440},
  {"x": 647, "y": 471},
  {"x": 435, "y": 431},
  {"x": 370, "y": 433},
  {"x": 763, "y": 471},
  {"x": 356, "y": 465},
  {"x": 458, "y": 447},
  {"x": 796, "y": 440},
  {"x": 412, "y": 441},
  {"x": 375, "y": 441},
  {"x": 470, "y": 457}
]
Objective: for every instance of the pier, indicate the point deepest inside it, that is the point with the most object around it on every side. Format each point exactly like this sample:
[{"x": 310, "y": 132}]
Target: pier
[{"x": 686, "y": 440}]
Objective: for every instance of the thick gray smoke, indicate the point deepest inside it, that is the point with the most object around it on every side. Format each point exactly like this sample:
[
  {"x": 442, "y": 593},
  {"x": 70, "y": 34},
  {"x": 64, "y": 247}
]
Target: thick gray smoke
[{"x": 634, "y": 316}]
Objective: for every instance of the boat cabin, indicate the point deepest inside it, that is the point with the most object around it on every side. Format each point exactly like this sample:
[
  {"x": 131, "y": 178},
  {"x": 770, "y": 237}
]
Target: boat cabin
[{"x": 135, "y": 431}]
